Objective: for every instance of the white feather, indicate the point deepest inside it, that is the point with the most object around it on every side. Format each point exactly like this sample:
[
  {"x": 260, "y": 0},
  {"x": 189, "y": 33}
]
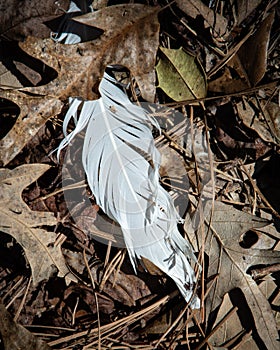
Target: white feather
[{"x": 122, "y": 167}]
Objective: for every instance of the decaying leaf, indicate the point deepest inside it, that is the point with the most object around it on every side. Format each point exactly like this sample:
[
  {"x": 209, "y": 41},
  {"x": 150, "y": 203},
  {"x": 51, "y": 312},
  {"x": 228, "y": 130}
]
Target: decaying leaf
[
  {"x": 230, "y": 329},
  {"x": 180, "y": 75},
  {"x": 22, "y": 19},
  {"x": 26, "y": 226},
  {"x": 34, "y": 112},
  {"x": 248, "y": 66},
  {"x": 253, "y": 53},
  {"x": 124, "y": 288},
  {"x": 80, "y": 66},
  {"x": 217, "y": 23},
  {"x": 262, "y": 117},
  {"x": 231, "y": 262},
  {"x": 270, "y": 289},
  {"x": 14, "y": 336},
  {"x": 233, "y": 79},
  {"x": 7, "y": 79},
  {"x": 243, "y": 9}
]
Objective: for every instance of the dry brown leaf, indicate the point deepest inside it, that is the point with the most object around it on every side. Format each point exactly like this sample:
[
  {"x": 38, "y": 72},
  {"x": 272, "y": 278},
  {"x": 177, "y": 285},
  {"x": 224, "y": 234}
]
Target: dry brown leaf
[
  {"x": 15, "y": 337},
  {"x": 212, "y": 19},
  {"x": 233, "y": 79},
  {"x": 22, "y": 18},
  {"x": 130, "y": 38},
  {"x": 262, "y": 117},
  {"x": 7, "y": 79},
  {"x": 253, "y": 53},
  {"x": 126, "y": 289},
  {"x": 34, "y": 112},
  {"x": 270, "y": 289},
  {"x": 230, "y": 331},
  {"x": 243, "y": 9},
  {"x": 26, "y": 226},
  {"x": 248, "y": 66},
  {"x": 231, "y": 263}
]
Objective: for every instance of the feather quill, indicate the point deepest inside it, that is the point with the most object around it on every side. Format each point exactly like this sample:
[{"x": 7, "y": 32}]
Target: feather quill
[{"x": 122, "y": 167}]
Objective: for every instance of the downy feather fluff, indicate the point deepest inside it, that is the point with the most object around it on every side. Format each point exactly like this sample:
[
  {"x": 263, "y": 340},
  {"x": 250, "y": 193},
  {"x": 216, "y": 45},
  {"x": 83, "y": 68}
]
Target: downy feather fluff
[{"x": 122, "y": 167}]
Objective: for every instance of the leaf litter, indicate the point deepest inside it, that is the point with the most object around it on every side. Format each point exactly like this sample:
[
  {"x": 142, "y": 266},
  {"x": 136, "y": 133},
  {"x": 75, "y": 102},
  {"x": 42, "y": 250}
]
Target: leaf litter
[{"x": 238, "y": 245}]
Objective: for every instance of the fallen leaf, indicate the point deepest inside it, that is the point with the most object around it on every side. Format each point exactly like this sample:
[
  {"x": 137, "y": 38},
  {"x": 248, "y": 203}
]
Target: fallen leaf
[
  {"x": 217, "y": 23},
  {"x": 232, "y": 330},
  {"x": 126, "y": 289},
  {"x": 243, "y": 9},
  {"x": 231, "y": 263},
  {"x": 15, "y": 337},
  {"x": 270, "y": 289},
  {"x": 233, "y": 78},
  {"x": 22, "y": 19},
  {"x": 253, "y": 53},
  {"x": 26, "y": 226},
  {"x": 34, "y": 112},
  {"x": 7, "y": 79},
  {"x": 180, "y": 75},
  {"x": 80, "y": 66},
  {"x": 248, "y": 66},
  {"x": 87, "y": 304},
  {"x": 75, "y": 260},
  {"x": 263, "y": 117}
]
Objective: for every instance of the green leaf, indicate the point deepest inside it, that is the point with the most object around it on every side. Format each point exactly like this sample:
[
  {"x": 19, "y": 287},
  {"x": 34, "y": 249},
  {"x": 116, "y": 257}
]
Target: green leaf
[{"x": 180, "y": 75}]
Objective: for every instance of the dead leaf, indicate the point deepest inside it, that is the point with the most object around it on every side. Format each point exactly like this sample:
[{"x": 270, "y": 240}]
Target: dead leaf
[
  {"x": 80, "y": 66},
  {"x": 217, "y": 23},
  {"x": 243, "y": 9},
  {"x": 231, "y": 331},
  {"x": 253, "y": 53},
  {"x": 122, "y": 287},
  {"x": 262, "y": 117},
  {"x": 180, "y": 75},
  {"x": 34, "y": 112},
  {"x": 233, "y": 79},
  {"x": 26, "y": 226},
  {"x": 88, "y": 302},
  {"x": 7, "y": 79},
  {"x": 248, "y": 66},
  {"x": 270, "y": 289},
  {"x": 15, "y": 337},
  {"x": 231, "y": 263},
  {"x": 126, "y": 289},
  {"x": 21, "y": 19}
]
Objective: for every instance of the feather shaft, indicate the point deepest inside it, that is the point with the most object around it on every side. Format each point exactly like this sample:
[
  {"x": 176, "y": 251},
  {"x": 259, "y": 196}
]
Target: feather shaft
[{"x": 122, "y": 167}]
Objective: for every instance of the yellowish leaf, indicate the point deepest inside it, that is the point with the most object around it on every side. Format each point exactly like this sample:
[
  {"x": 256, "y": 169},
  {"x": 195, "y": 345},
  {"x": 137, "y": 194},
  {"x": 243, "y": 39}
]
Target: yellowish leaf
[{"x": 180, "y": 75}]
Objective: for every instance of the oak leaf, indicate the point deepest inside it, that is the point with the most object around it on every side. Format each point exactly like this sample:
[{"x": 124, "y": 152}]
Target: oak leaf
[
  {"x": 130, "y": 39},
  {"x": 27, "y": 226},
  {"x": 231, "y": 262},
  {"x": 34, "y": 112}
]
